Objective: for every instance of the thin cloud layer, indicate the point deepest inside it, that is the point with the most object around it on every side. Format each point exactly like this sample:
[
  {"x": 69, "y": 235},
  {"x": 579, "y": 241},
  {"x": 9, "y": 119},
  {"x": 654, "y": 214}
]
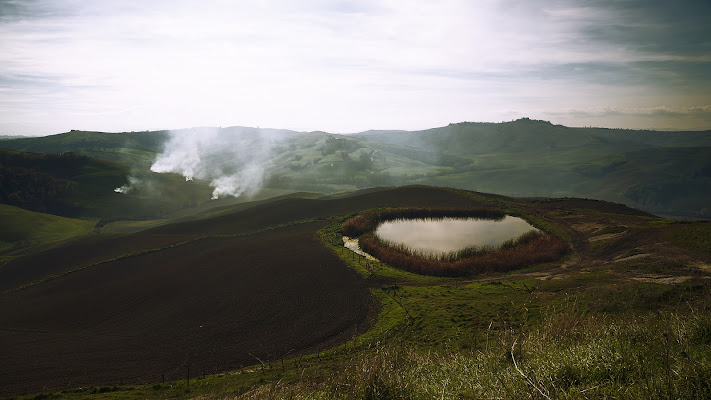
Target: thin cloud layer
[{"x": 344, "y": 66}]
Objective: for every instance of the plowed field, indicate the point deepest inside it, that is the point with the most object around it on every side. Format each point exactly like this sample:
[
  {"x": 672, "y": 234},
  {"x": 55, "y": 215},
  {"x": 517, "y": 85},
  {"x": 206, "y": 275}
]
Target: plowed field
[{"x": 213, "y": 304}]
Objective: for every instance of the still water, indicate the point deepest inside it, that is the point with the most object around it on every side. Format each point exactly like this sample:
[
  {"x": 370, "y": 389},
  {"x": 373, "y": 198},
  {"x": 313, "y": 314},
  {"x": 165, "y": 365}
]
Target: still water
[
  {"x": 448, "y": 235},
  {"x": 352, "y": 245}
]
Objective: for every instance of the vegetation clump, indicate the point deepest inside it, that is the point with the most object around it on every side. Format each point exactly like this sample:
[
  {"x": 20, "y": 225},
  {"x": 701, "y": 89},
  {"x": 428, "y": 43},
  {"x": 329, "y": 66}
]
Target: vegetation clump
[
  {"x": 533, "y": 247},
  {"x": 529, "y": 249}
]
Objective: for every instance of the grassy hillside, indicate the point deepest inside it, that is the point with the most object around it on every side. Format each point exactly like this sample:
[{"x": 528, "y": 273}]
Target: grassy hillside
[
  {"x": 663, "y": 172},
  {"x": 72, "y": 185},
  {"x": 22, "y": 228},
  {"x": 127, "y": 148},
  {"x": 63, "y": 184},
  {"x": 659, "y": 172},
  {"x": 244, "y": 298}
]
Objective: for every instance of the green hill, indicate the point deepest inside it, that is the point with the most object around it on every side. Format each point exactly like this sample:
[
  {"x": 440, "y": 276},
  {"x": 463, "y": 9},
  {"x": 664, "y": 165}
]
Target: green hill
[
  {"x": 77, "y": 186},
  {"x": 64, "y": 184},
  {"x": 127, "y": 148},
  {"x": 662, "y": 172},
  {"x": 22, "y": 228},
  {"x": 659, "y": 172}
]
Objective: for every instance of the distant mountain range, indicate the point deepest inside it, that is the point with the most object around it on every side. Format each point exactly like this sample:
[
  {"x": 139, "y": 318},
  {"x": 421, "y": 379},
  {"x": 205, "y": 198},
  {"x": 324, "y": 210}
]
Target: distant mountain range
[{"x": 666, "y": 173}]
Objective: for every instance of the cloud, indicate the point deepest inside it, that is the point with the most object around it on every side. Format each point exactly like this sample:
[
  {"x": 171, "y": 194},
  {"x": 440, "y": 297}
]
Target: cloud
[
  {"x": 660, "y": 117},
  {"x": 338, "y": 66},
  {"x": 662, "y": 111},
  {"x": 660, "y": 28}
]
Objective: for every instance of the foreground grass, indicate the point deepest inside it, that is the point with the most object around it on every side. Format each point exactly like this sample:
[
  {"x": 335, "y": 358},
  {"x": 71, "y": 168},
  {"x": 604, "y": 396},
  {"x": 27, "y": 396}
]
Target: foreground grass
[
  {"x": 567, "y": 356},
  {"x": 575, "y": 338}
]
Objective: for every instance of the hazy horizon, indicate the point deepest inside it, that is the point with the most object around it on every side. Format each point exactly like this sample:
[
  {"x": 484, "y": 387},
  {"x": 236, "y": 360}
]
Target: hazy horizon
[
  {"x": 338, "y": 133},
  {"x": 346, "y": 67}
]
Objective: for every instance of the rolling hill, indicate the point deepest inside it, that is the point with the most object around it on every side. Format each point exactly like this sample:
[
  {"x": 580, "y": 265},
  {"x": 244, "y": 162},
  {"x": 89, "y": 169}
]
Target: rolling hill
[
  {"x": 660, "y": 172},
  {"x": 265, "y": 296}
]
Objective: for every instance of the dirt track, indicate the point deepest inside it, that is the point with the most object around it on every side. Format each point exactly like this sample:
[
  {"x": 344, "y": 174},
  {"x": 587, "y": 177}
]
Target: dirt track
[{"x": 214, "y": 304}]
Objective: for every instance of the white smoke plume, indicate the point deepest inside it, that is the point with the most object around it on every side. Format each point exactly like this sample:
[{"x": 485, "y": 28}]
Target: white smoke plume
[
  {"x": 132, "y": 184},
  {"x": 233, "y": 159}
]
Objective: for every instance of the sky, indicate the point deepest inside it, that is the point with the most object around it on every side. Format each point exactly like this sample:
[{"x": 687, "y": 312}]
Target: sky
[{"x": 350, "y": 66}]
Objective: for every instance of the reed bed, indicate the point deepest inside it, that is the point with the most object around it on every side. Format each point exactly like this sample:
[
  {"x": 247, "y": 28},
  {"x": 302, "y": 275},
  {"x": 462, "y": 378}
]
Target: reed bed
[
  {"x": 530, "y": 248},
  {"x": 535, "y": 247}
]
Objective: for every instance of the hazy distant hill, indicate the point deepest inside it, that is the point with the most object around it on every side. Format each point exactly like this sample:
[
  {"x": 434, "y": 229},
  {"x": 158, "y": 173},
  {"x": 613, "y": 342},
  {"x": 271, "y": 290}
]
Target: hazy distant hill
[
  {"x": 129, "y": 148},
  {"x": 660, "y": 172},
  {"x": 663, "y": 172}
]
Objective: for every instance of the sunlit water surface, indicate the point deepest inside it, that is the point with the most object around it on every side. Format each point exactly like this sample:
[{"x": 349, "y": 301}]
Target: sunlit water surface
[
  {"x": 352, "y": 245},
  {"x": 449, "y": 235}
]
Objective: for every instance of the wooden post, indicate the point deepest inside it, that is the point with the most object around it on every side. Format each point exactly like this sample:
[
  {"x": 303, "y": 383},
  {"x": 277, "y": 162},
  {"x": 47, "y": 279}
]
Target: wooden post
[{"x": 188, "y": 375}]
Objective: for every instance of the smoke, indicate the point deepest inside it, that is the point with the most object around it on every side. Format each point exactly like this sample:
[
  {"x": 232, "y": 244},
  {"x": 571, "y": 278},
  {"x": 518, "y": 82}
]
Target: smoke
[
  {"x": 233, "y": 159},
  {"x": 133, "y": 184}
]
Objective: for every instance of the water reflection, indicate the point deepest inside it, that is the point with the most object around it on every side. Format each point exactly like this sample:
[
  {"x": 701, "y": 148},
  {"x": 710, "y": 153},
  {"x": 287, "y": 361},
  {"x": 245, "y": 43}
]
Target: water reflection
[
  {"x": 352, "y": 245},
  {"x": 448, "y": 235}
]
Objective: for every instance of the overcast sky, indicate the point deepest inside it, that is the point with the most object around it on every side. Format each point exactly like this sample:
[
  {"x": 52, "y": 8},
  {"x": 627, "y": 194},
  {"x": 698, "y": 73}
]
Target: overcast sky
[{"x": 349, "y": 66}]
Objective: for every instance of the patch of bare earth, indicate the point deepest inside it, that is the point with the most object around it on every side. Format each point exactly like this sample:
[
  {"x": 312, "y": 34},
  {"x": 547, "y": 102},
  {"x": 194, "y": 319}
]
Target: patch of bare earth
[
  {"x": 702, "y": 266},
  {"x": 631, "y": 258},
  {"x": 607, "y": 236},
  {"x": 664, "y": 279}
]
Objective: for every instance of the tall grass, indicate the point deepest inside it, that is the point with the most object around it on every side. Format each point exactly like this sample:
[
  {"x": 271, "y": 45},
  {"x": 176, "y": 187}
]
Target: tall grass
[{"x": 567, "y": 356}]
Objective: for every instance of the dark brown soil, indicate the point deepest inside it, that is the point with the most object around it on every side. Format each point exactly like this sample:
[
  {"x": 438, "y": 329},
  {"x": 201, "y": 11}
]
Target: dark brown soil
[
  {"x": 214, "y": 304},
  {"x": 79, "y": 253}
]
